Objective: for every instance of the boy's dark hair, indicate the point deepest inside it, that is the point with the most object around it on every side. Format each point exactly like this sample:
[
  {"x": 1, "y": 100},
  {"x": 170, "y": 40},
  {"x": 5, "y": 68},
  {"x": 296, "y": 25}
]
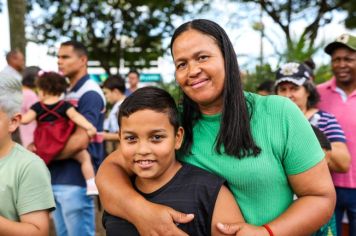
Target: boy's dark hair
[
  {"x": 115, "y": 82},
  {"x": 266, "y": 85},
  {"x": 235, "y": 134},
  {"x": 150, "y": 98},
  {"x": 77, "y": 47},
  {"x": 134, "y": 71},
  {"x": 52, "y": 83}
]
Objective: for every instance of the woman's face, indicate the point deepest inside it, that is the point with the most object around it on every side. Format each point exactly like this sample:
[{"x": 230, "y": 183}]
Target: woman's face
[
  {"x": 298, "y": 94},
  {"x": 200, "y": 70}
]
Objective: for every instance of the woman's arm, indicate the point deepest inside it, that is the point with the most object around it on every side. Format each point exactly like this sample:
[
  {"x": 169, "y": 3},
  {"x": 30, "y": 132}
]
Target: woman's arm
[
  {"x": 119, "y": 198},
  {"x": 340, "y": 157},
  {"x": 313, "y": 208},
  {"x": 28, "y": 117},
  {"x": 81, "y": 121},
  {"x": 34, "y": 223}
]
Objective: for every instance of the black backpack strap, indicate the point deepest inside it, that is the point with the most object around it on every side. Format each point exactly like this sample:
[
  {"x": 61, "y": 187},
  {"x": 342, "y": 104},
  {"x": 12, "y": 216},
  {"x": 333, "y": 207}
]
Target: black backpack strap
[{"x": 50, "y": 111}]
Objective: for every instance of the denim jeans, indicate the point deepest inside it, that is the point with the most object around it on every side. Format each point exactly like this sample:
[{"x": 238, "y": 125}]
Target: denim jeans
[
  {"x": 75, "y": 212},
  {"x": 346, "y": 201}
]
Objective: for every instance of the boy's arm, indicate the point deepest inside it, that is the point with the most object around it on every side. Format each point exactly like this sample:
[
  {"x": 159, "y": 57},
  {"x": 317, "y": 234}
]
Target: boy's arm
[
  {"x": 28, "y": 117},
  {"x": 225, "y": 210},
  {"x": 33, "y": 223},
  {"x": 80, "y": 120},
  {"x": 120, "y": 199},
  {"x": 111, "y": 136}
]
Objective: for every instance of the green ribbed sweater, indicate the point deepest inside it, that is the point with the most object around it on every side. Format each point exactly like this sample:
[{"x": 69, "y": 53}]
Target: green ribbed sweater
[{"x": 260, "y": 184}]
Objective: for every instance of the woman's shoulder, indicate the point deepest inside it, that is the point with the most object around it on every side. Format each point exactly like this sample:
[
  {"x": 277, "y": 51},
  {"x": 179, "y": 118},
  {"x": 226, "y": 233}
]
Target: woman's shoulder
[{"x": 271, "y": 104}]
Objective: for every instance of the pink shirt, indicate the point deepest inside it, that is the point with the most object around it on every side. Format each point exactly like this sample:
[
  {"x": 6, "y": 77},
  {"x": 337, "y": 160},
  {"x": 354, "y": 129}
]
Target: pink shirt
[
  {"x": 334, "y": 101},
  {"x": 26, "y": 131}
]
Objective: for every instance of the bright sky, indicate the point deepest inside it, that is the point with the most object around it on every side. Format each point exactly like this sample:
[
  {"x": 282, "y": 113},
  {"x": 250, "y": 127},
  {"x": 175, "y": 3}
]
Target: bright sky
[{"x": 246, "y": 41}]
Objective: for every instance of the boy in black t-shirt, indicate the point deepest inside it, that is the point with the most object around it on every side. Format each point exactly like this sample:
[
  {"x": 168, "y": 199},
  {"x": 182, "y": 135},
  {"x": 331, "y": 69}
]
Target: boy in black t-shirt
[{"x": 149, "y": 136}]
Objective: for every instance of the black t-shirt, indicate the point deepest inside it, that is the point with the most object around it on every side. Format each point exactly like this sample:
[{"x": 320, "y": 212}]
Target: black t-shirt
[
  {"x": 61, "y": 110},
  {"x": 191, "y": 190}
]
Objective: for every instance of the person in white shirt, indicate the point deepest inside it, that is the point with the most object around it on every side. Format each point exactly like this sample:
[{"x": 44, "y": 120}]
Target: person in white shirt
[
  {"x": 114, "y": 90},
  {"x": 15, "y": 65}
]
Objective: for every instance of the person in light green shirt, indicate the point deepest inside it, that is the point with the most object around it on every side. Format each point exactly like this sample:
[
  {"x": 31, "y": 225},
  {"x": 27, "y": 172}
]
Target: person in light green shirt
[
  {"x": 262, "y": 146},
  {"x": 25, "y": 188}
]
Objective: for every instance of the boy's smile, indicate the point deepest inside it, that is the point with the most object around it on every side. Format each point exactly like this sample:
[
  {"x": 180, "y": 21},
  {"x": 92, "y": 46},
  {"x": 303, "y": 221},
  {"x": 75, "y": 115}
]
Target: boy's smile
[{"x": 148, "y": 143}]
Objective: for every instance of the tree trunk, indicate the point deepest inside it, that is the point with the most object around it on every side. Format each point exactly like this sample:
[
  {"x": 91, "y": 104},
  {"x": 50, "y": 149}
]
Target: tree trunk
[{"x": 17, "y": 11}]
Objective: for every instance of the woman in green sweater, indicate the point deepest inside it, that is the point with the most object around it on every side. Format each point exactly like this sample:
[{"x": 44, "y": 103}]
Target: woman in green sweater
[{"x": 262, "y": 146}]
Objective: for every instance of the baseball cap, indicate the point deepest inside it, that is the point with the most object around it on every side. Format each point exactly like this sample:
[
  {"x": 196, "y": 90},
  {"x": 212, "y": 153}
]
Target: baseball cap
[
  {"x": 344, "y": 40},
  {"x": 296, "y": 73}
]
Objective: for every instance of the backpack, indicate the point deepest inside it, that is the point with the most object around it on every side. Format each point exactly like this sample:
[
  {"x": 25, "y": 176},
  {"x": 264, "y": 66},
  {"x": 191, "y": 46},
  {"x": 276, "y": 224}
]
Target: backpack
[{"x": 50, "y": 137}]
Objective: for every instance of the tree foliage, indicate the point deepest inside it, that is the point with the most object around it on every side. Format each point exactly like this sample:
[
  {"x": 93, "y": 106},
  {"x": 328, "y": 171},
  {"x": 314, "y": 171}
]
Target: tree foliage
[
  {"x": 251, "y": 80},
  {"x": 350, "y": 21},
  {"x": 314, "y": 13},
  {"x": 116, "y": 32}
]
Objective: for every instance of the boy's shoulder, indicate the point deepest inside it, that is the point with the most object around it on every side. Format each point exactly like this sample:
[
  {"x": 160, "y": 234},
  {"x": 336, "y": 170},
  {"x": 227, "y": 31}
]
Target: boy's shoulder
[{"x": 199, "y": 175}]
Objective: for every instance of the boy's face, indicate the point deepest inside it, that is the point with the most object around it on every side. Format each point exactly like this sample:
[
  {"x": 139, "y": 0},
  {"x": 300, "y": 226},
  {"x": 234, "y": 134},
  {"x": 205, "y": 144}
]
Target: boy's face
[
  {"x": 133, "y": 80},
  {"x": 148, "y": 143},
  {"x": 110, "y": 95},
  {"x": 7, "y": 126}
]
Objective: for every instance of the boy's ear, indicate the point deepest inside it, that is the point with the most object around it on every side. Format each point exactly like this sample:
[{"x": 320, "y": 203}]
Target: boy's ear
[
  {"x": 179, "y": 137},
  {"x": 14, "y": 122}
]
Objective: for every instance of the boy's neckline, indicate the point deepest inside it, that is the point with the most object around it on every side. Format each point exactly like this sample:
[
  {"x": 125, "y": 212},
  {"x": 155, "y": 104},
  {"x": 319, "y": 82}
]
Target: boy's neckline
[{"x": 157, "y": 186}]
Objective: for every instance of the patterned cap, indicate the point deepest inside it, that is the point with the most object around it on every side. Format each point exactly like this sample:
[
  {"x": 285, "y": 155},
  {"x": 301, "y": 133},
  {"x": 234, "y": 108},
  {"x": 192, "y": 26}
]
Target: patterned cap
[
  {"x": 293, "y": 72},
  {"x": 344, "y": 40}
]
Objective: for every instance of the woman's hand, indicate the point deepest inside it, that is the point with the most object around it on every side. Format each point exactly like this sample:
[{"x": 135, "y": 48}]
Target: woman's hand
[
  {"x": 157, "y": 220},
  {"x": 242, "y": 229}
]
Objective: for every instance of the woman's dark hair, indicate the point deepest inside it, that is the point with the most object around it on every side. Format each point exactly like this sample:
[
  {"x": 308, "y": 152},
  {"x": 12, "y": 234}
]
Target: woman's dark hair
[
  {"x": 52, "y": 83},
  {"x": 235, "y": 131},
  {"x": 314, "y": 96},
  {"x": 323, "y": 140},
  {"x": 150, "y": 98},
  {"x": 115, "y": 82},
  {"x": 310, "y": 66}
]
